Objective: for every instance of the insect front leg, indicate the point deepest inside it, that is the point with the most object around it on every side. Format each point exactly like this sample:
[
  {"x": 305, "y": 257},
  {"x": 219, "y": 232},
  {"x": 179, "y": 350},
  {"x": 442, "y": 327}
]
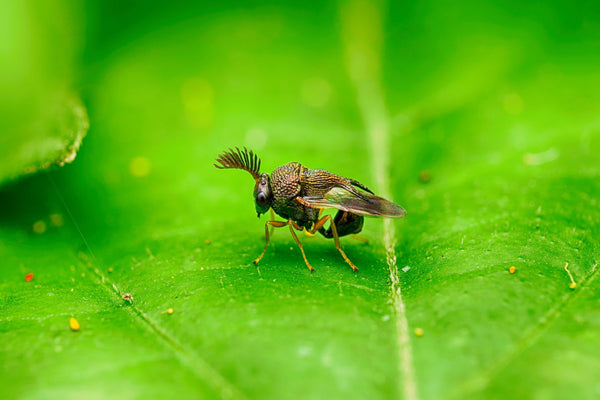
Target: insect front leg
[
  {"x": 272, "y": 219},
  {"x": 279, "y": 224},
  {"x": 275, "y": 224},
  {"x": 336, "y": 239}
]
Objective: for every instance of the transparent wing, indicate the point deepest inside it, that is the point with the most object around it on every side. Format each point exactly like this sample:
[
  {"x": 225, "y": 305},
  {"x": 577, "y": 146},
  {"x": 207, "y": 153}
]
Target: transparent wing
[{"x": 367, "y": 204}]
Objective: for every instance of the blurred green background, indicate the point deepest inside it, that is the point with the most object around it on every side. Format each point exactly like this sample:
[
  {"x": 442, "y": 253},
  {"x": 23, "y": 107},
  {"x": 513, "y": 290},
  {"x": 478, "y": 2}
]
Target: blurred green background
[{"x": 497, "y": 102}]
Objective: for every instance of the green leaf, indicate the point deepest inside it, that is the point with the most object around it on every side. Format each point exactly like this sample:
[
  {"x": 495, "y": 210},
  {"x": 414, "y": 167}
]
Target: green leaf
[
  {"x": 42, "y": 120},
  {"x": 504, "y": 127},
  {"x": 53, "y": 137}
]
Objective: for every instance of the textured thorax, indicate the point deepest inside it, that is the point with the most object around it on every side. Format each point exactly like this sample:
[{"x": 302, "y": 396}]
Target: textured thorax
[
  {"x": 286, "y": 184},
  {"x": 285, "y": 181}
]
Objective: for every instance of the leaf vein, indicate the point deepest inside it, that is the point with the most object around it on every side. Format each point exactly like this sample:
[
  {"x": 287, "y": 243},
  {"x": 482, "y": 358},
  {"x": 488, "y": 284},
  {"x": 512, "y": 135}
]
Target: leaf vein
[
  {"x": 481, "y": 381},
  {"x": 195, "y": 363}
]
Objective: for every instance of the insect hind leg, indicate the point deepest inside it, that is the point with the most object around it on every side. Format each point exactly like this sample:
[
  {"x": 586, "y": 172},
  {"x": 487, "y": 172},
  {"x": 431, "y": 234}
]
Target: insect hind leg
[
  {"x": 346, "y": 223},
  {"x": 334, "y": 233}
]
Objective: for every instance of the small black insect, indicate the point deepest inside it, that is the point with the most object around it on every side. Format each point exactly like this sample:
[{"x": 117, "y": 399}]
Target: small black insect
[{"x": 299, "y": 195}]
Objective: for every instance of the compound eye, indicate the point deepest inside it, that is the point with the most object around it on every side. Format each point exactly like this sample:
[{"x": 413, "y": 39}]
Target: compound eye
[{"x": 261, "y": 198}]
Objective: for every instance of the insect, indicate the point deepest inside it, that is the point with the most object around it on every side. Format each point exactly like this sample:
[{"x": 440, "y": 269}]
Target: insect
[{"x": 299, "y": 195}]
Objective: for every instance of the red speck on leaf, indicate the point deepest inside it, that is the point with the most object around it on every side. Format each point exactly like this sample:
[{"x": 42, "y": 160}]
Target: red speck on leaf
[{"x": 29, "y": 277}]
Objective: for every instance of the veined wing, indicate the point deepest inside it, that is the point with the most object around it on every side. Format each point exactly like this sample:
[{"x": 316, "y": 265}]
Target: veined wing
[{"x": 367, "y": 204}]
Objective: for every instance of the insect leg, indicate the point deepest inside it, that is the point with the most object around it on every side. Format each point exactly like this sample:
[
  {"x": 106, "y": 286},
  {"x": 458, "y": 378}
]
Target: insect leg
[
  {"x": 346, "y": 223},
  {"x": 293, "y": 225},
  {"x": 276, "y": 224},
  {"x": 308, "y": 232},
  {"x": 360, "y": 238},
  {"x": 272, "y": 219},
  {"x": 336, "y": 239}
]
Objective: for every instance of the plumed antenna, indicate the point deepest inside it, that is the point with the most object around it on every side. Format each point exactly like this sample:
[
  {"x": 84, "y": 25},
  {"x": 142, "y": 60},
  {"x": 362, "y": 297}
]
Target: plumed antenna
[{"x": 240, "y": 159}]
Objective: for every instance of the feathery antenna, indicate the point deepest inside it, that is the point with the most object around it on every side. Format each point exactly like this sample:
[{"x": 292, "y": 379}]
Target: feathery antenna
[{"x": 240, "y": 159}]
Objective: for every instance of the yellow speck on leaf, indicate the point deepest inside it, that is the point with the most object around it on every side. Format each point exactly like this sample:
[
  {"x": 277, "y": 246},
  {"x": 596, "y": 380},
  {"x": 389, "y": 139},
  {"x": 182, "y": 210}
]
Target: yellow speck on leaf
[
  {"x": 573, "y": 284},
  {"x": 74, "y": 324},
  {"x": 39, "y": 227},
  {"x": 56, "y": 219},
  {"x": 425, "y": 176}
]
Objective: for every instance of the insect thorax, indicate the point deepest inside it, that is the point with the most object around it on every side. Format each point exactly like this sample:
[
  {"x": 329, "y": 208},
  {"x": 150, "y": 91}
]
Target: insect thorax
[
  {"x": 285, "y": 181},
  {"x": 286, "y": 185}
]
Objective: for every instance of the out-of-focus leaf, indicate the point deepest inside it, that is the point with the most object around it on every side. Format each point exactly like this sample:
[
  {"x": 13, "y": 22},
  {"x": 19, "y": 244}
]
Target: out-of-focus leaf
[{"x": 42, "y": 121}]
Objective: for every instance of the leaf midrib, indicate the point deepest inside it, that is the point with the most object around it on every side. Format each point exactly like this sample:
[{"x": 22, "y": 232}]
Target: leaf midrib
[{"x": 371, "y": 105}]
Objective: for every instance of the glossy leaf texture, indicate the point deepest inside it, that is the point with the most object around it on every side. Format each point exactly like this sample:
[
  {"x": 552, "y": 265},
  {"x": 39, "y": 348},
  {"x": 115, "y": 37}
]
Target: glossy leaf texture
[{"x": 478, "y": 121}]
